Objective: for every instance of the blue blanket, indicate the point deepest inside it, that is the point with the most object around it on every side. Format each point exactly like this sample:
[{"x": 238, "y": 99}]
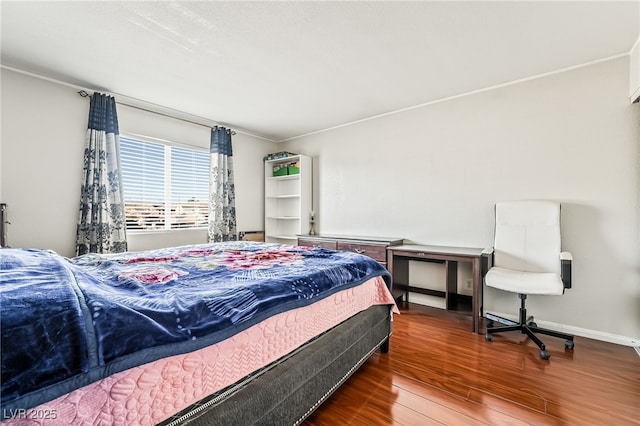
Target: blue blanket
[{"x": 68, "y": 322}]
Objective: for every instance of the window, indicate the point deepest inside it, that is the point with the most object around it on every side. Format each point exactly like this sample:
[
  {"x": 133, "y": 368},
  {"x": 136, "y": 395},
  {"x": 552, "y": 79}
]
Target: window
[{"x": 165, "y": 186}]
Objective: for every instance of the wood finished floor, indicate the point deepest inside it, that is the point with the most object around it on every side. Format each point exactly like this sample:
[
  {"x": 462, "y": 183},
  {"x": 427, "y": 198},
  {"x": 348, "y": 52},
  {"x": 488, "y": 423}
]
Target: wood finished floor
[{"x": 438, "y": 372}]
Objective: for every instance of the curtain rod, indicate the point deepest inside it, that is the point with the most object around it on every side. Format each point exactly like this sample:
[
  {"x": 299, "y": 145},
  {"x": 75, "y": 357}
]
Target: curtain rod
[{"x": 86, "y": 94}]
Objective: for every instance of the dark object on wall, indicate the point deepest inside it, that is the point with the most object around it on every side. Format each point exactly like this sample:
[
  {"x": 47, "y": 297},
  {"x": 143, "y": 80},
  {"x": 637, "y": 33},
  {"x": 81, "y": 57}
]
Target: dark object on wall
[{"x": 3, "y": 225}]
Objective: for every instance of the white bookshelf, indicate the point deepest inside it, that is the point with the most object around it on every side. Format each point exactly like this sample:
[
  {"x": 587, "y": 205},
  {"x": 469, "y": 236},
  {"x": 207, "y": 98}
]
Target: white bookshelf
[{"x": 287, "y": 203}]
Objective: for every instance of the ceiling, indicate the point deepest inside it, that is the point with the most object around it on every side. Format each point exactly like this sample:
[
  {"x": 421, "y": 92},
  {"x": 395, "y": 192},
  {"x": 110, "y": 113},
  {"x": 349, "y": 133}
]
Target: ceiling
[{"x": 285, "y": 69}]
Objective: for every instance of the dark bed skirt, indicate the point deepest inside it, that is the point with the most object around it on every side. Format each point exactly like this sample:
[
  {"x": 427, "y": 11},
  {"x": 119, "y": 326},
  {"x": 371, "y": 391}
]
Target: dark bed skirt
[{"x": 291, "y": 389}]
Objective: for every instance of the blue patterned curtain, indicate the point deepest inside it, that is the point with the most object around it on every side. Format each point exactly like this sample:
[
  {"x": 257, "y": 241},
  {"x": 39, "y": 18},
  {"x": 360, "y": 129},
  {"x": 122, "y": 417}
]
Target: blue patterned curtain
[
  {"x": 102, "y": 224},
  {"x": 222, "y": 191}
]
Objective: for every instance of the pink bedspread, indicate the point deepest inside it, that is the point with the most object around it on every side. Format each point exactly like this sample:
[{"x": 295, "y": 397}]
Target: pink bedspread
[{"x": 151, "y": 393}]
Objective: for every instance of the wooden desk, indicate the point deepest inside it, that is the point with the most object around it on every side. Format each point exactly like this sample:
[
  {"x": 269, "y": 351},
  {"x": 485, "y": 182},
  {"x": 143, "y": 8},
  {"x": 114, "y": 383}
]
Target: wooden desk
[{"x": 398, "y": 258}]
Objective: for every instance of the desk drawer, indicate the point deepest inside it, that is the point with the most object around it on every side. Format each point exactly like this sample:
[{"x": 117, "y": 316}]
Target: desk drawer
[
  {"x": 376, "y": 251},
  {"x": 312, "y": 242}
]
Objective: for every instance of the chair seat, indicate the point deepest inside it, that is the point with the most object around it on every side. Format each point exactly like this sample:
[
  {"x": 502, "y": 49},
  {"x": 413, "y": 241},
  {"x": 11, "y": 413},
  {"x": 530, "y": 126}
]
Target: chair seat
[{"x": 524, "y": 282}]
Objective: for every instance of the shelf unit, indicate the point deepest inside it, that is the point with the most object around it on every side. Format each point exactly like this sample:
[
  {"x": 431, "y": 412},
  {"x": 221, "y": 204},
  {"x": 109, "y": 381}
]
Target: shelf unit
[{"x": 287, "y": 201}]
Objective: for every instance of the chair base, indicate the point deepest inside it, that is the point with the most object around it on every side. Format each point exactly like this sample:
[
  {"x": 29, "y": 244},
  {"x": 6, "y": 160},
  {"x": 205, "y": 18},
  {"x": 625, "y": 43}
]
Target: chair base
[{"x": 527, "y": 326}]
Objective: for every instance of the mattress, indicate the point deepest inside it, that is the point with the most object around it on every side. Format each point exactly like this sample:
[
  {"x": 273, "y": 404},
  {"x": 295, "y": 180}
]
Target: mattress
[{"x": 289, "y": 391}]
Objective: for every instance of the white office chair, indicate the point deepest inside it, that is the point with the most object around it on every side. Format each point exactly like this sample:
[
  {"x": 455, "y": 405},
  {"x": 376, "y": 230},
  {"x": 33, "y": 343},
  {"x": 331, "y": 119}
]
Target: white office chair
[{"x": 526, "y": 259}]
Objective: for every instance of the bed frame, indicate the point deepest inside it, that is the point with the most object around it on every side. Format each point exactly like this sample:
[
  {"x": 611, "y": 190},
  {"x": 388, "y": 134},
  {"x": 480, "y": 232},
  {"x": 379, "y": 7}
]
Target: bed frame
[{"x": 289, "y": 390}]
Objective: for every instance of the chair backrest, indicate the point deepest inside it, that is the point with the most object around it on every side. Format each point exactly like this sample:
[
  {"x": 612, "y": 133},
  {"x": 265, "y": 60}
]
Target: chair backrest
[{"x": 527, "y": 236}]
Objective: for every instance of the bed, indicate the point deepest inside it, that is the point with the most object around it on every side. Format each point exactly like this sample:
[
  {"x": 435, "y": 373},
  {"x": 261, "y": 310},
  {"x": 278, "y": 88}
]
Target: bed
[{"x": 223, "y": 333}]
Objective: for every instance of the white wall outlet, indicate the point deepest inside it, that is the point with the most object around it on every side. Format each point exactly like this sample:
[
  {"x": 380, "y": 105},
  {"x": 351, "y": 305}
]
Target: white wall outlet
[{"x": 468, "y": 283}]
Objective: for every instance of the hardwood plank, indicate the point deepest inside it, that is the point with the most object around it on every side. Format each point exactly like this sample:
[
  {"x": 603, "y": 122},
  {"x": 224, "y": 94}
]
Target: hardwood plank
[{"x": 438, "y": 372}]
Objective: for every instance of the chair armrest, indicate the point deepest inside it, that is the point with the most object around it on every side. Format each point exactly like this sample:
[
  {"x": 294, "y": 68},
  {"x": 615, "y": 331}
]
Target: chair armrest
[
  {"x": 566, "y": 260},
  {"x": 486, "y": 260}
]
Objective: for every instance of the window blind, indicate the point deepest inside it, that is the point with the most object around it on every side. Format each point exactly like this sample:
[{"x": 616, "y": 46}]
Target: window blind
[
  {"x": 165, "y": 187},
  {"x": 189, "y": 188}
]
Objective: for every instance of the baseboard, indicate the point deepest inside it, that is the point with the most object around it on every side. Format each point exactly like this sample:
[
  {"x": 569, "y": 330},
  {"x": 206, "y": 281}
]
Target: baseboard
[
  {"x": 576, "y": 331},
  {"x": 582, "y": 332}
]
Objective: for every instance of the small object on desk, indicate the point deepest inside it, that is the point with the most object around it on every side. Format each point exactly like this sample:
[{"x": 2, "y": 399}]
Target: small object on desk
[{"x": 312, "y": 221}]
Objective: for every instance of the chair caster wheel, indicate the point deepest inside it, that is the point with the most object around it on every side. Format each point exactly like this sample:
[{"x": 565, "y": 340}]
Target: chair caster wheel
[
  {"x": 488, "y": 337},
  {"x": 532, "y": 324},
  {"x": 568, "y": 344},
  {"x": 545, "y": 355}
]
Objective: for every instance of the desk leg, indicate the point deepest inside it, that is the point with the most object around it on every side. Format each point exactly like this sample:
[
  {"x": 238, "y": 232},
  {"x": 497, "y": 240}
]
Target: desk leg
[
  {"x": 399, "y": 269},
  {"x": 476, "y": 302},
  {"x": 451, "y": 278},
  {"x": 402, "y": 274}
]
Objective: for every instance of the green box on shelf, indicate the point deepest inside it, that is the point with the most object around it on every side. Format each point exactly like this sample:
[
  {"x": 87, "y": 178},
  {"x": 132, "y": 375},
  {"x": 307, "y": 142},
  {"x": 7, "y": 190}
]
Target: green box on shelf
[
  {"x": 280, "y": 170},
  {"x": 293, "y": 169}
]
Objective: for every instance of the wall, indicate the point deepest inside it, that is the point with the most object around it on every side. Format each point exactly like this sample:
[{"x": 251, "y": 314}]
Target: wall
[
  {"x": 42, "y": 144},
  {"x": 433, "y": 174}
]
